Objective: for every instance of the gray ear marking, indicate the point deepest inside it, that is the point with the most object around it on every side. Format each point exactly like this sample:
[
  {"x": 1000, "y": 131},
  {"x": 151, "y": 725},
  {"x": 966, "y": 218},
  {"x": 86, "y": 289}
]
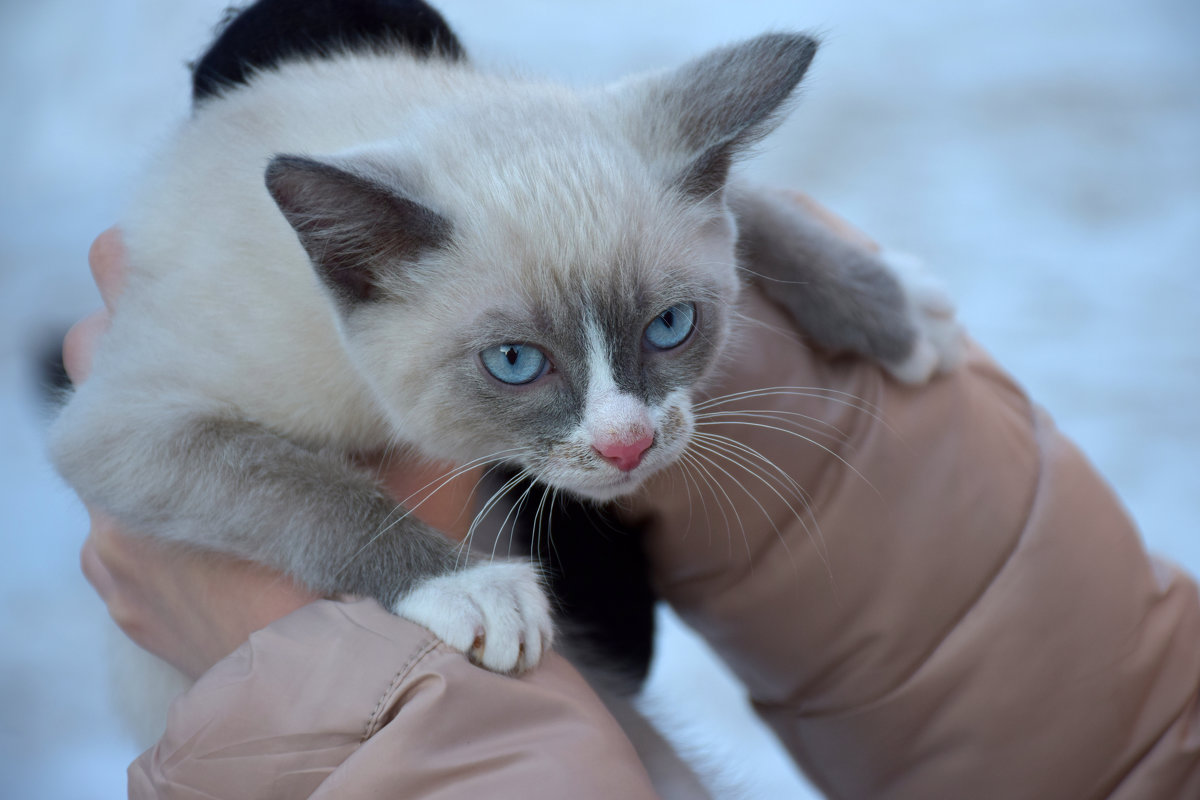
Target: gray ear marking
[
  {"x": 707, "y": 174},
  {"x": 356, "y": 231},
  {"x": 731, "y": 95},
  {"x": 725, "y": 101}
]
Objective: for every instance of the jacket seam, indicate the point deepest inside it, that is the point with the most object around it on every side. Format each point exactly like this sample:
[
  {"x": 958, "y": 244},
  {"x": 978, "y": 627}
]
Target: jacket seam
[
  {"x": 1036, "y": 499},
  {"x": 386, "y": 698}
]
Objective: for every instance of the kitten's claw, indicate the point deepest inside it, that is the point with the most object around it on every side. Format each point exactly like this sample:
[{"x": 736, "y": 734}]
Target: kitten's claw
[
  {"x": 941, "y": 342},
  {"x": 496, "y": 613}
]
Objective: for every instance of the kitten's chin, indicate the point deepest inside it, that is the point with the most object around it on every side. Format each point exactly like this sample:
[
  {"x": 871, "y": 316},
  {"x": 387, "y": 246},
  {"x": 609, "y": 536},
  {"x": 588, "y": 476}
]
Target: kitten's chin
[
  {"x": 602, "y": 491},
  {"x": 604, "y": 494}
]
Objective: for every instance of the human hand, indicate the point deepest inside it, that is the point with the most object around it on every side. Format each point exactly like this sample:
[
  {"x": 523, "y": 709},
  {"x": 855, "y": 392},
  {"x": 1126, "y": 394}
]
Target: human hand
[{"x": 189, "y": 608}]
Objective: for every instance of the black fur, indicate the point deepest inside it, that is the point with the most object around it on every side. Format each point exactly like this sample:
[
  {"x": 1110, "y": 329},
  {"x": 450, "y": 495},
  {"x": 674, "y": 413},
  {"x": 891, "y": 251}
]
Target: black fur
[
  {"x": 47, "y": 371},
  {"x": 598, "y": 574},
  {"x": 269, "y": 32},
  {"x": 52, "y": 378},
  {"x": 601, "y": 581}
]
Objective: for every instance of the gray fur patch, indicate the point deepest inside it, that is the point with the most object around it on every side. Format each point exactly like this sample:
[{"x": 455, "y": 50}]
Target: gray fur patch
[
  {"x": 734, "y": 93},
  {"x": 225, "y": 484},
  {"x": 620, "y": 302},
  {"x": 842, "y": 297},
  {"x": 725, "y": 101},
  {"x": 358, "y": 232}
]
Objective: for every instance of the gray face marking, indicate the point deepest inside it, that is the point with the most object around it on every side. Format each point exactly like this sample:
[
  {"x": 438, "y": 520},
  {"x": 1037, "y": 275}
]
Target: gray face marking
[
  {"x": 604, "y": 380},
  {"x": 619, "y": 385}
]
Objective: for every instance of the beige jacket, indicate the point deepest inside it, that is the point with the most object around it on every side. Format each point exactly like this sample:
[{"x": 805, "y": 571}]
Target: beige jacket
[
  {"x": 966, "y": 612},
  {"x": 346, "y": 701}
]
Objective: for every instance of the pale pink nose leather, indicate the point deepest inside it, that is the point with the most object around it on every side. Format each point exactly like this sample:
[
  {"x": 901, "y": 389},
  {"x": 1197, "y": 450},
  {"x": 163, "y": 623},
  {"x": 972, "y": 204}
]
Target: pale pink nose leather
[{"x": 624, "y": 455}]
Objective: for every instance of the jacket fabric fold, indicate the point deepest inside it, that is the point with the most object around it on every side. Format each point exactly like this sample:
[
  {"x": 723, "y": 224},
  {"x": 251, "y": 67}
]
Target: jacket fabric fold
[{"x": 960, "y": 608}]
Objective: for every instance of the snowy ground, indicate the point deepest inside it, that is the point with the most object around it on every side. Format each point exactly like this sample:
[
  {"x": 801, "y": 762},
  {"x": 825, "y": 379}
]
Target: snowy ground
[{"x": 1043, "y": 154}]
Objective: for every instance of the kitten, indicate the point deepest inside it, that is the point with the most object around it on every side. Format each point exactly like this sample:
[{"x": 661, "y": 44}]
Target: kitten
[{"x": 358, "y": 241}]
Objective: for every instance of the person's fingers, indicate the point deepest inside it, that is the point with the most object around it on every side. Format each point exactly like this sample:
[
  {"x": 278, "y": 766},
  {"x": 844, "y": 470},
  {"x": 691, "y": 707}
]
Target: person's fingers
[
  {"x": 107, "y": 260},
  {"x": 122, "y": 556},
  {"x": 94, "y": 570},
  {"x": 110, "y": 562},
  {"x": 80, "y": 344}
]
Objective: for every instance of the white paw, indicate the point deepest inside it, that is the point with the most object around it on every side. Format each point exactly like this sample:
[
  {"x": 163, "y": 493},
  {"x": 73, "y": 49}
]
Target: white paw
[
  {"x": 941, "y": 342},
  {"x": 496, "y": 613}
]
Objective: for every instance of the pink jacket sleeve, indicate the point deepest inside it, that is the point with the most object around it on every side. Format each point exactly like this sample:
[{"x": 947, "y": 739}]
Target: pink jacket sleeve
[
  {"x": 343, "y": 700},
  {"x": 963, "y": 609}
]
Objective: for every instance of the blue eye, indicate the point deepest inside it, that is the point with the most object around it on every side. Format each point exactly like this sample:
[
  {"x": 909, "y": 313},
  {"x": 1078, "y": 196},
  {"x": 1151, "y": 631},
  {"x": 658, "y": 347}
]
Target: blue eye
[
  {"x": 671, "y": 327},
  {"x": 514, "y": 363}
]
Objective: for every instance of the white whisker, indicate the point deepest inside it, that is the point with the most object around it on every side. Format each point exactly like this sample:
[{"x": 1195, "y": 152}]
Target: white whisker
[
  {"x": 787, "y": 333},
  {"x": 715, "y": 418},
  {"x": 537, "y": 523},
  {"x": 847, "y": 399},
  {"x": 438, "y": 483},
  {"x": 514, "y": 511},
  {"x": 688, "y": 463},
  {"x": 487, "y": 507},
  {"x": 697, "y": 459},
  {"x": 811, "y": 441},
  {"x": 740, "y": 454},
  {"x": 748, "y": 452}
]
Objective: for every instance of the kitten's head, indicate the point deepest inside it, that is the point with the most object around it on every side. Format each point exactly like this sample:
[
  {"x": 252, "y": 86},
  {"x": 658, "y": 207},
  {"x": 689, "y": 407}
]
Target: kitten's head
[{"x": 544, "y": 276}]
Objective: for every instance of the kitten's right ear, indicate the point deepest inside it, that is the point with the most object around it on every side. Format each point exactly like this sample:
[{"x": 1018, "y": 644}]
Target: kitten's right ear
[
  {"x": 698, "y": 119},
  {"x": 359, "y": 233}
]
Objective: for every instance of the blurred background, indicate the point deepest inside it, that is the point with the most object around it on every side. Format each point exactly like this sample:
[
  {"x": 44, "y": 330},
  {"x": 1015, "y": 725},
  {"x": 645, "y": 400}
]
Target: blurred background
[{"x": 1042, "y": 155}]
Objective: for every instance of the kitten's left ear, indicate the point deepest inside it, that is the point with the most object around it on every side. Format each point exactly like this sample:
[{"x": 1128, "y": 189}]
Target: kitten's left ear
[
  {"x": 359, "y": 233},
  {"x": 712, "y": 109}
]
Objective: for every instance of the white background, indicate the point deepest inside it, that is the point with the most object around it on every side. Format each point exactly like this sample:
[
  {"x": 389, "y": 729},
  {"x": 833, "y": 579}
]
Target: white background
[{"x": 1043, "y": 155}]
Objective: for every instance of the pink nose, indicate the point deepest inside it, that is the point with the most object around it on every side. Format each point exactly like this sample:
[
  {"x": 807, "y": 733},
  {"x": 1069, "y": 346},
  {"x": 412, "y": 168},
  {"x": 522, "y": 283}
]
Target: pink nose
[{"x": 624, "y": 455}]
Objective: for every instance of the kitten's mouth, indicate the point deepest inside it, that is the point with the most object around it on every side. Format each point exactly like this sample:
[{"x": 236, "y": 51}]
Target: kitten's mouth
[
  {"x": 627, "y": 482},
  {"x": 603, "y": 494},
  {"x": 601, "y": 481},
  {"x": 624, "y": 484}
]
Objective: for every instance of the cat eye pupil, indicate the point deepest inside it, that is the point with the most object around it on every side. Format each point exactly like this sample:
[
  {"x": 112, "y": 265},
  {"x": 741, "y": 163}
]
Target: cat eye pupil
[
  {"x": 514, "y": 364},
  {"x": 672, "y": 327}
]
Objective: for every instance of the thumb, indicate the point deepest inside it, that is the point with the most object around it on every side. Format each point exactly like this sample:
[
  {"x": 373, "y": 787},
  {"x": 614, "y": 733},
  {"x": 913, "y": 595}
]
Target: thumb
[{"x": 80, "y": 344}]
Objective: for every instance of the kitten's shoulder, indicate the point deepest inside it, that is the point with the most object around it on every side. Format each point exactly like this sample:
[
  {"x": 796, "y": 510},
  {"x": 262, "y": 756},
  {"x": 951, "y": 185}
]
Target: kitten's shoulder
[{"x": 267, "y": 33}]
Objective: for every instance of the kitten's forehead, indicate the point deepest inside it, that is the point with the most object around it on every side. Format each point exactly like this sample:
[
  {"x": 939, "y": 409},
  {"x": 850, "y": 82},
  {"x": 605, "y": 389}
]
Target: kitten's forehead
[
  {"x": 607, "y": 288},
  {"x": 555, "y": 281},
  {"x": 617, "y": 238}
]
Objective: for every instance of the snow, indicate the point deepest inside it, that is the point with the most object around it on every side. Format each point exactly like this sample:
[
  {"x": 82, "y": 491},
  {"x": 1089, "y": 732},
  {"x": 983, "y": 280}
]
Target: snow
[{"x": 1043, "y": 155}]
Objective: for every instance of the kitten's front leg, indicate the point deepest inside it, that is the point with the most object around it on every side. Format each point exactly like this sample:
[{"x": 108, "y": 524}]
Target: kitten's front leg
[
  {"x": 844, "y": 297},
  {"x": 221, "y": 483}
]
